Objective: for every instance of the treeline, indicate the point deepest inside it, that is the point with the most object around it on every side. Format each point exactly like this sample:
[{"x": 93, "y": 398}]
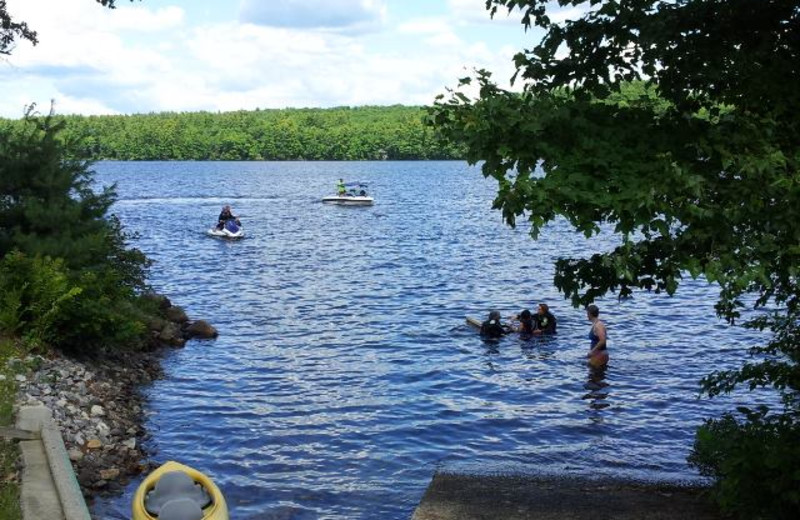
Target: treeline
[{"x": 344, "y": 133}]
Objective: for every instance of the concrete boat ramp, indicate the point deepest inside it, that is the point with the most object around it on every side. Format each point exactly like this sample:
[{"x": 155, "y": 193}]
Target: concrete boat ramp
[{"x": 475, "y": 497}]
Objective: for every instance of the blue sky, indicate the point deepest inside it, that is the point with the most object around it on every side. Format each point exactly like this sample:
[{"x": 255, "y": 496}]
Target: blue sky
[{"x": 219, "y": 55}]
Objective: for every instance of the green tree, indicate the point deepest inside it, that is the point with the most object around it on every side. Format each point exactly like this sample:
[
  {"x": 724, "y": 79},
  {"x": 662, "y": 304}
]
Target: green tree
[
  {"x": 675, "y": 124},
  {"x": 50, "y": 210}
]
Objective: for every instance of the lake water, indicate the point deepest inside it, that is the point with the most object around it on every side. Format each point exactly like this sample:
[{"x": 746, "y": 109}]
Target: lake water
[{"x": 344, "y": 375}]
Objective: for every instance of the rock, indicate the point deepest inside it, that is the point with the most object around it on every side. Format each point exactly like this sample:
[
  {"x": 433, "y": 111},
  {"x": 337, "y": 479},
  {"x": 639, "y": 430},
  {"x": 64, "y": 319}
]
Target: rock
[
  {"x": 176, "y": 314},
  {"x": 75, "y": 454},
  {"x": 130, "y": 443},
  {"x": 156, "y": 324},
  {"x": 109, "y": 474},
  {"x": 200, "y": 329},
  {"x": 170, "y": 334},
  {"x": 97, "y": 411},
  {"x": 94, "y": 444},
  {"x": 19, "y": 377},
  {"x": 100, "y": 484}
]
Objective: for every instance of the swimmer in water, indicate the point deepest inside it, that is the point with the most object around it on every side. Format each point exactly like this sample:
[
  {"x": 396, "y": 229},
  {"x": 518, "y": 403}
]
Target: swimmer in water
[{"x": 598, "y": 353}]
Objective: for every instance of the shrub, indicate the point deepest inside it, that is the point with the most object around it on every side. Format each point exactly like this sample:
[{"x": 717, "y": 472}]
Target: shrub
[
  {"x": 35, "y": 293},
  {"x": 755, "y": 462}
]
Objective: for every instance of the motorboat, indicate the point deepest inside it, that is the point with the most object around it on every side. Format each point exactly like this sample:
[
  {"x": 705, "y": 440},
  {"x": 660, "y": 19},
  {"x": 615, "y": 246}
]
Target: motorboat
[
  {"x": 355, "y": 195},
  {"x": 177, "y": 492},
  {"x": 231, "y": 229}
]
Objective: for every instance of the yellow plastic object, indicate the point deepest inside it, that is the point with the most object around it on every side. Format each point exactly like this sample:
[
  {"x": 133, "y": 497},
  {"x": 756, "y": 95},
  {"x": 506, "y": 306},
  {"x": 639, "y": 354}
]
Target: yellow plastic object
[
  {"x": 475, "y": 322},
  {"x": 217, "y": 510}
]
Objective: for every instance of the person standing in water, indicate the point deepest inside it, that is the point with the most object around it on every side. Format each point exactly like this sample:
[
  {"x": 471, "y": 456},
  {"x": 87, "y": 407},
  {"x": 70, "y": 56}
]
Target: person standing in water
[
  {"x": 493, "y": 328},
  {"x": 545, "y": 321},
  {"x": 598, "y": 353},
  {"x": 527, "y": 323}
]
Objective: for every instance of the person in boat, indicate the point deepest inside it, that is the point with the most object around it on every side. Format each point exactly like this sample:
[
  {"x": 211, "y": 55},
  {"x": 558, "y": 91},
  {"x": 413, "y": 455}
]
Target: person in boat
[
  {"x": 341, "y": 189},
  {"x": 493, "y": 328},
  {"x": 545, "y": 321},
  {"x": 225, "y": 215},
  {"x": 598, "y": 353},
  {"x": 526, "y": 323}
]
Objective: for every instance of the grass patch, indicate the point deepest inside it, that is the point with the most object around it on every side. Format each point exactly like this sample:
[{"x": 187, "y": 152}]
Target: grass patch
[{"x": 9, "y": 451}]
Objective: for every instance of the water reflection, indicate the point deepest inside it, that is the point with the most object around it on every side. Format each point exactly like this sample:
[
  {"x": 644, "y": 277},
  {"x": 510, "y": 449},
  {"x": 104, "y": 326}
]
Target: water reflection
[{"x": 597, "y": 386}]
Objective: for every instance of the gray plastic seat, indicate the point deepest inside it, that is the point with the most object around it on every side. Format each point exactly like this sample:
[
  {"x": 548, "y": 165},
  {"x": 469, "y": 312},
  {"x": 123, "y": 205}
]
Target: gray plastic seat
[
  {"x": 173, "y": 486},
  {"x": 181, "y": 509}
]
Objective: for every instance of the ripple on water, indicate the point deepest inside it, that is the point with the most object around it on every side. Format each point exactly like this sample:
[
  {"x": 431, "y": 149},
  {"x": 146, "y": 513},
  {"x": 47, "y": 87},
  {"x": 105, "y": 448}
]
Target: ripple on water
[{"x": 344, "y": 375}]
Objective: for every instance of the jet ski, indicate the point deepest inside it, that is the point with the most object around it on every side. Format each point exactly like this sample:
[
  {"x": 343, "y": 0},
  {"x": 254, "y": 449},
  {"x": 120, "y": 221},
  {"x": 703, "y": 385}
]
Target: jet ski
[{"x": 231, "y": 229}]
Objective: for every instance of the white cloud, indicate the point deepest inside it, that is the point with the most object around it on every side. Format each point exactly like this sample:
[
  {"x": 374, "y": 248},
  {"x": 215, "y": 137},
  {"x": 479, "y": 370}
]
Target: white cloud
[
  {"x": 331, "y": 14},
  {"x": 559, "y": 16},
  {"x": 474, "y": 11},
  {"x": 93, "y": 64}
]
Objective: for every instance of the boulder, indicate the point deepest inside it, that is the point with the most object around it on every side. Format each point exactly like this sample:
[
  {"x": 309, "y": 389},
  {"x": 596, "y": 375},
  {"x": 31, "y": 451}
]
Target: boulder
[
  {"x": 176, "y": 314},
  {"x": 200, "y": 329},
  {"x": 156, "y": 324},
  {"x": 171, "y": 334}
]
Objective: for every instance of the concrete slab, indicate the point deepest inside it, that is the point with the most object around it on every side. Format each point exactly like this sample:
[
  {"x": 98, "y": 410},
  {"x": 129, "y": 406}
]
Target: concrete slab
[
  {"x": 38, "y": 496},
  {"x": 49, "y": 489},
  {"x": 475, "y": 497}
]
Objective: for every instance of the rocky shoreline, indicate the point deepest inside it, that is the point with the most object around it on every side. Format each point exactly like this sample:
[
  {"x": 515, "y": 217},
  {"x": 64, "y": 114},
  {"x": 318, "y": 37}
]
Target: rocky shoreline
[{"x": 98, "y": 403}]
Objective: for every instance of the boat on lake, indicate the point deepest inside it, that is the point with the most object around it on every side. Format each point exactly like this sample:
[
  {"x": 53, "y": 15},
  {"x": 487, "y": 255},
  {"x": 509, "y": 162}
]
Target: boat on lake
[{"x": 355, "y": 195}]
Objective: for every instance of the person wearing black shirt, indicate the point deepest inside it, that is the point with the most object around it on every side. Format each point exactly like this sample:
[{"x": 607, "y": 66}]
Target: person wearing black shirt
[
  {"x": 527, "y": 323},
  {"x": 545, "y": 321},
  {"x": 492, "y": 328},
  {"x": 224, "y": 216}
]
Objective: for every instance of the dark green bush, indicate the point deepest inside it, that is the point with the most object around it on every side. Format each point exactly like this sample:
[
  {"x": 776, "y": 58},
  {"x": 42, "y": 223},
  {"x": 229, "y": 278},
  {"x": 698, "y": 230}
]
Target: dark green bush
[
  {"x": 34, "y": 293},
  {"x": 70, "y": 280},
  {"x": 755, "y": 462}
]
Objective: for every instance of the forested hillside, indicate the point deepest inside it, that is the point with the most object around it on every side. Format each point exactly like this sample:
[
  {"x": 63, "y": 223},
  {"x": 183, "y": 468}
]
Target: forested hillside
[{"x": 343, "y": 133}]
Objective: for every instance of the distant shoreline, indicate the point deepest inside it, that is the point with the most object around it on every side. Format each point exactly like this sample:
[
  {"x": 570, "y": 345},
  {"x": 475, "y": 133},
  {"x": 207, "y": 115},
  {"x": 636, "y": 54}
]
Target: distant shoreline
[{"x": 369, "y": 133}]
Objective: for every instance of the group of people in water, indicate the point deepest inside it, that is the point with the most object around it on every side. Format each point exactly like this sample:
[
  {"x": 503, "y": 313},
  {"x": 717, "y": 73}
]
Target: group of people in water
[{"x": 544, "y": 323}]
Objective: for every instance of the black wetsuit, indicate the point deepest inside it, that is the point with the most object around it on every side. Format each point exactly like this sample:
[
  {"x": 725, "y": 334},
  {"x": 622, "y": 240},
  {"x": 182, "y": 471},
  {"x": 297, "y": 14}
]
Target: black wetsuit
[
  {"x": 492, "y": 329},
  {"x": 224, "y": 217},
  {"x": 546, "y": 323}
]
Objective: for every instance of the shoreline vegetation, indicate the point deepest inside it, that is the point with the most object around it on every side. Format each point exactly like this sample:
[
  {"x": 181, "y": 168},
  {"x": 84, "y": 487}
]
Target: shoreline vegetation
[
  {"x": 80, "y": 328},
  {"x": 361, "y": 133}
]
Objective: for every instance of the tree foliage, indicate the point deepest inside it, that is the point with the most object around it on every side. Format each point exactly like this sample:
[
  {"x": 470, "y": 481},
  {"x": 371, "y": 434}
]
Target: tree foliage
[
  {"x": 343, "y": 133},
  {"x": 674, "y": 123},
  {"x": 68, "y": 277}
]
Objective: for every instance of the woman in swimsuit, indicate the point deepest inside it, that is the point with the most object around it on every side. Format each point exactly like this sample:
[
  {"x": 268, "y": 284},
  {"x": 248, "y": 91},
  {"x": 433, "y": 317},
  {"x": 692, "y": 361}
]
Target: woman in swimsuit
[{"x": 598, "y": 353}]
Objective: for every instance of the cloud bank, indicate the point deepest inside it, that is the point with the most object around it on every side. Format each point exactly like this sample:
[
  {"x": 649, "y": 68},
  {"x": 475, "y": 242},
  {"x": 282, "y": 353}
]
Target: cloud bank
[{"x": 319, "y": 14}]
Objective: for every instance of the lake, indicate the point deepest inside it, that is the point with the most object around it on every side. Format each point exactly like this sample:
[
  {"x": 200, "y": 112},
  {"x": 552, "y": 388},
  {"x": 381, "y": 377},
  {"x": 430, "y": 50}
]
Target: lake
[{"x": 344, "y": 375}]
